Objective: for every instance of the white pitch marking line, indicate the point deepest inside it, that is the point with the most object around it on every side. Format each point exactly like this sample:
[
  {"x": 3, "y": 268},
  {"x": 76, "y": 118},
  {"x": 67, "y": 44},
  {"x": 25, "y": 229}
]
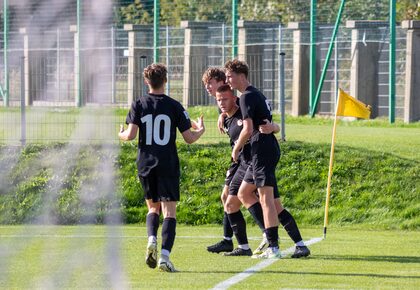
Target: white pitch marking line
[
  {"x": 265, "y": 263},
  {"x": 104, "y": 236}
]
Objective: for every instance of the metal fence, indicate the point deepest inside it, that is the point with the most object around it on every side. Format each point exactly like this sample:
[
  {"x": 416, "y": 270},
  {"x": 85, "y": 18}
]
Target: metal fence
[{"x": 104, "y": 65}]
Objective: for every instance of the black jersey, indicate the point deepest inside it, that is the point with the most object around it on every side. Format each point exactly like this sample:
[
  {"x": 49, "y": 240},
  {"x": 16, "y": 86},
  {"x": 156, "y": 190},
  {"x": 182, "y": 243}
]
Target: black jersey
[
  {"x": 255, "y": 105},
  {"x": 233, "y": 127},
  {"x": 158, "y": 116}
]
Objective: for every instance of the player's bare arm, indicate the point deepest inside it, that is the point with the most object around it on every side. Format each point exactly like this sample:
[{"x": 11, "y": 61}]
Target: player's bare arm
[
  {"x": 190, "y": 136},
  {"x": 220, "y": 122},
  {"x": 243, "y": 138},
  {"x": 269, "y": 127},
  {"x": 129, "y": 134}
]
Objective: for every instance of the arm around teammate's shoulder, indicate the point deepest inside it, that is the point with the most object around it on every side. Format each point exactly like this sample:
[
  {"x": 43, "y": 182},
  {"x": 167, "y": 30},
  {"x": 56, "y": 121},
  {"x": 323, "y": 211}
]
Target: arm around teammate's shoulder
[
  {"x": 269, "y": 127},
  {"x": 190, "y": 136}
]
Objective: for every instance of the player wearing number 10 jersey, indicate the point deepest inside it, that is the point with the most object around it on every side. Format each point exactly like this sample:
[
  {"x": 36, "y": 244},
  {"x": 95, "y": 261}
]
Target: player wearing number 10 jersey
[{"x": 157, "y": 116}]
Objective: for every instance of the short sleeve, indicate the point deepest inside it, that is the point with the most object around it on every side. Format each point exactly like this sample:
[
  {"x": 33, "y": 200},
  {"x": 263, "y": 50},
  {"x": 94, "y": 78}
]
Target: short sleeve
[
  {"x": 184, "y": 122},
  {"x": 247, "y": 107},
  {"x": 133, "y": 116}
]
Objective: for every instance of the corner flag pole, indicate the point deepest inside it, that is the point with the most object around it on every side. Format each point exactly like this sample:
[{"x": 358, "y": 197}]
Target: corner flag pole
[{"x": 330, "y": 170}]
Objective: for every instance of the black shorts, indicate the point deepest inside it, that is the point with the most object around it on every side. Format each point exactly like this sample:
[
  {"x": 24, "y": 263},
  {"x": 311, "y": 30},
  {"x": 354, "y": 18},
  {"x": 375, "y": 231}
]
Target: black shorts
[
  {"x": 231, "y": 172},
  {"x": 160, "y": 188},
  {"x": 276, "y": 192},
  {"x": 238, "y": 178},
  {"x": 262, "y": 171}
]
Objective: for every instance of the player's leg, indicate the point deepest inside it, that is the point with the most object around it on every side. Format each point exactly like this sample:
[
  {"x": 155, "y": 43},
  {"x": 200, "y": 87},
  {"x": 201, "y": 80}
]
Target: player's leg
[
  {"x": 270, "y": 221},
  {"x": 226, "y": 244},
  {"x": 152, "y": 225},
  {"x": 168, "y": 194},
  {"x": 252, "y": 203},
  {"x": 264, "y": 163},
  {"x": 247, "y": 193},
  {"x": 292, "y": 229},
  {"x": 168, "y": 235},
  {"x": 238, "y": 224},
  {"x": 152, "y": 220},
  {"x": 227, "y": 229}
]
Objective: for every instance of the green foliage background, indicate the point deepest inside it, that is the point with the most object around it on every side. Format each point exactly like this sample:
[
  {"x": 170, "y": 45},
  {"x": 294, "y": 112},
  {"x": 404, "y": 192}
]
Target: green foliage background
[
  {"x": 367, "y": 187},
  {"x": 174, "y": 11}
]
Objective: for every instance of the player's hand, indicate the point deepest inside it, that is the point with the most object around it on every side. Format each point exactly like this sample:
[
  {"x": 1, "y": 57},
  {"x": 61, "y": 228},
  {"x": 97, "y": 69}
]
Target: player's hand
[
  {"x": 220, "y": 122},
  {"x": 199, "y": 124},
  {"x": 266, "y": 128},
  {"x": 235, "y": 155},
  {"x": 194, "y": 125},
  {"x": 121, "y": 128}
]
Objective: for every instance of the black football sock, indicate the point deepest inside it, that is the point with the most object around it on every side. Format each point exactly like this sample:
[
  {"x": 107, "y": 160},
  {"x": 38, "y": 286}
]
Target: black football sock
[
  {"x": 238, "y": 224},
  {"x": 227, "y": 229},
  {"x": 272, "y": 236},
  {"x": 256, "y": 211},
  {"x": 168, "y": 233},
  {"x": 289, "y": 224},
  {"x": 152, "y": 224}
]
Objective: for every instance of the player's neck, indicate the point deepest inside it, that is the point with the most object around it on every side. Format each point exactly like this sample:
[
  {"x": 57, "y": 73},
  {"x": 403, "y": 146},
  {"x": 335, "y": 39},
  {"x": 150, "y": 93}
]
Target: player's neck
[
  {"x": 242, "y": 87},
  {"x": 158, "y": 91},
  {"x": 232, "y": 111}
]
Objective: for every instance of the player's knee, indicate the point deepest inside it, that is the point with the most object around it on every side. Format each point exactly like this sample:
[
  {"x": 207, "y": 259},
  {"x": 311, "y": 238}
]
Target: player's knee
[
  {"x": 279, "y": 206},
  {"x": 232, "y": 206},
  {"x": 249, "y": 199},
  {"x": 155, "y": 210},
  {"x": 242, "y": 196}
]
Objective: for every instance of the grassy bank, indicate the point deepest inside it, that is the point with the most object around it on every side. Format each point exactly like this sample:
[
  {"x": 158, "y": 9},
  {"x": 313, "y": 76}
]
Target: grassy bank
[{"x": 70, "y": 185}]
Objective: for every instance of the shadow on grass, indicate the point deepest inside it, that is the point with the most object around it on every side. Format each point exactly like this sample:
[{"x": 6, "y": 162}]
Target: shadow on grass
[
  {"x": 368, "y": 275},
  {"x": 393, "y": 259}
]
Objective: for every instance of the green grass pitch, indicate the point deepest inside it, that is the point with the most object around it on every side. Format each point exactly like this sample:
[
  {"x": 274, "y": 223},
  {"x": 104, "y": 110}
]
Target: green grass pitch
[{"x": 112, "y": 257}]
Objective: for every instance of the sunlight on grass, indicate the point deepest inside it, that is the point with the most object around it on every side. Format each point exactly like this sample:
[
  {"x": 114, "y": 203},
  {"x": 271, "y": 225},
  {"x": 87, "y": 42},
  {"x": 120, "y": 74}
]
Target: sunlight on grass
[{"x": 77, "y": 257}]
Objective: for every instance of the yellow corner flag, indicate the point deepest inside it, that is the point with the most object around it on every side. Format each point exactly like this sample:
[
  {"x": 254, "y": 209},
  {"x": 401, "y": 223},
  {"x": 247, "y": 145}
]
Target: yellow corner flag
[
  {"x": 350, "y": 107},
  {"x": 347, "y": 106}
]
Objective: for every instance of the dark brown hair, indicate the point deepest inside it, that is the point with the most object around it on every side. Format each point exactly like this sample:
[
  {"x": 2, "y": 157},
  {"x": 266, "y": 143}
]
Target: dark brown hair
[
  {"x": 216, "y": 73},
  {"x": 237, "y": 66},
  {"x": 155, "y": 74},
  {"x": 224, "y": 88}
]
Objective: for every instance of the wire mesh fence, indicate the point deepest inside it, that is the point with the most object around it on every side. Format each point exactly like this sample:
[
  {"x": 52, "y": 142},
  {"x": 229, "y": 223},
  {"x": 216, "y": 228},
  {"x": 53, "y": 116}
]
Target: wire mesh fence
[{"x": 92, "y": 60}]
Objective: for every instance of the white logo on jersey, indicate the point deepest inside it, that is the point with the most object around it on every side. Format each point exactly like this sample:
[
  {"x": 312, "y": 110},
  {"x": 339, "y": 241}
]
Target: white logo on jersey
[
  {"x": 268, "y": 106},
  {"x": 239, "y": 122},
  {"x": 186, "y": 115}
]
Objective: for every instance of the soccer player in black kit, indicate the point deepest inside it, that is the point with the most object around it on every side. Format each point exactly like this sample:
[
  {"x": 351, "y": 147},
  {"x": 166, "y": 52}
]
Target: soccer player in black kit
[
  {"x": 214, "y": 78},
  {"x": 226, "y": 101},
  {"x": 231, "y": 123},
  {"x": 265, "y": 154},
  {"x": 157, "y": 116}
]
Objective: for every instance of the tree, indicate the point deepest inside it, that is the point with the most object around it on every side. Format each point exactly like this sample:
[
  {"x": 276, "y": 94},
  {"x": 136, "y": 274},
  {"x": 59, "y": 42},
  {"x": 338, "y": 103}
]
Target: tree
[
  {"x": 135, "y": 13},
  {"x": 172, "y": 12},
  {"x": 262, "y": 10},
  {"x": 408, "y": 10}
]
